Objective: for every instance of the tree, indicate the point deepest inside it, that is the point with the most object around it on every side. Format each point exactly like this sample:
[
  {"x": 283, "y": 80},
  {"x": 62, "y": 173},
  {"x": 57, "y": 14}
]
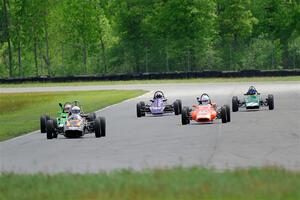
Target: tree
[
  {"x": 236, "y": 26},
  {"x": 262, "y": 53},
  {"x": 6, "y": 26}
]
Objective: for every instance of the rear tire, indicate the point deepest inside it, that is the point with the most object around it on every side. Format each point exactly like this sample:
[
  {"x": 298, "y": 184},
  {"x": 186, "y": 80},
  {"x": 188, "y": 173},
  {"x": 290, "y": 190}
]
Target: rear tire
[
  {"x": 223, "y": 114},
  {"x": 185, "y": 118},
  {"x": 43, "y": 120},
  {"x": 176, "y": 108},
  {"x": 97, "y": 127},
  {"x": 103, "y": 126},
  {"x": 235, "y": 104},
  {"x": 92, "y": 116},
  {"x": 228, "y": 117},
  {"x": 50, "y": 129},
  {"x": 270, "y": 101}
]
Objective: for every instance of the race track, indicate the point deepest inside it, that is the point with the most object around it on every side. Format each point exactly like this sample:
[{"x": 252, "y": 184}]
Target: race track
[{"x": 253, "y": 138}]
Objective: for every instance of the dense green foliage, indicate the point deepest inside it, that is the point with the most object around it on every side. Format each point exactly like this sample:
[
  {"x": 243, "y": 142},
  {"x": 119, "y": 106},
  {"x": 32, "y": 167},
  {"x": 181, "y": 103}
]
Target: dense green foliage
[
  {"x": 20, "y": 112},
  {"x": 77, "y": 37},
  {"x": 166, "y": 184}
]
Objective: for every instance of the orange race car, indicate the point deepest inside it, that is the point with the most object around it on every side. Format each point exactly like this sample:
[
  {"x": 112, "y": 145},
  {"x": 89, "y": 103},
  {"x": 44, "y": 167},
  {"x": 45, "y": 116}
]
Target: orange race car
[{"x": 205, "y": 111}]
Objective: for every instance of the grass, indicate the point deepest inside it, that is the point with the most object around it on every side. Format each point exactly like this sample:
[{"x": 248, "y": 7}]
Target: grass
[
  {"x": 164, "y": 184},
  {"x": 20, "y": 112},
  {"x": 193, "y": 80}
]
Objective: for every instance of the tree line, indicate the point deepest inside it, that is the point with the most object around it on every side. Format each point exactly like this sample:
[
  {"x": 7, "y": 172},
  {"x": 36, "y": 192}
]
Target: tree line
[{"x": 83, "y": 37}]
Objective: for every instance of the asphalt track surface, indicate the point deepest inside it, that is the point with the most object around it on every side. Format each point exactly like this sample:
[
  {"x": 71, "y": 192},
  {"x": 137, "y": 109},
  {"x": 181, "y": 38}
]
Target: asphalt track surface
[{"x": 252, "y": 138}]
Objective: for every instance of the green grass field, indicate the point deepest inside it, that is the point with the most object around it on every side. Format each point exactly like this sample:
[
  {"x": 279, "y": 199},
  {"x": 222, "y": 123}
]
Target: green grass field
[
  {"x": 193, "y": 80},
  {"x": 20, "y": 112},
  {"x": 167, "y": 184}
]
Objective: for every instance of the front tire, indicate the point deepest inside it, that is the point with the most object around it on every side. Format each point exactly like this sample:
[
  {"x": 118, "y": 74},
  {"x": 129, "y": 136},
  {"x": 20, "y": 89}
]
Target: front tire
[
  {"x": 235, "y": 104},
  {"x": 185, "y": 119},
  {"x": 223, "y": 114},
  {"x": 139, "y": 110},
  {"x": 228, "y": 117},
  {"x": 97, "y": 127},
  {"x": 50, "y": 129},
  {"x": 179, "y": 105},
  {"x": 176, "y": 108},
  {"x": 270, "y": 101},
  {"x": 103, "y": 126},
  {"x": 143, "y": 106}
]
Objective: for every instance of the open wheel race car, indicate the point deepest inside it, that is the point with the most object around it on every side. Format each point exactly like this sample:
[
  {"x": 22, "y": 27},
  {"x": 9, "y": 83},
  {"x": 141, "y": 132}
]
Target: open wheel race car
[
  {"x": 205, "y": 112},
  {"x": 72, "y": 122},
  {"x": 252, "y": 100},
  {"x": 158, "y": 106}
]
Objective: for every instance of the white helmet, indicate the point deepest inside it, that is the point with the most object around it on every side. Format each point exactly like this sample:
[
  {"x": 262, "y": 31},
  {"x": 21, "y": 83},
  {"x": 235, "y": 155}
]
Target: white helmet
[
  {"x": 67, "y": 107},
  {"x": 205, "y": 99},
  {"x": 75, "y": 110}
]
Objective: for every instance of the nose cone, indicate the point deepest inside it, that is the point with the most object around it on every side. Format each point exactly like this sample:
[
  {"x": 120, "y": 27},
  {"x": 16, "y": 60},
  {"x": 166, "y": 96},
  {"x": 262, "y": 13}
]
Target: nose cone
[
  {"x": 203, "y": 116},
  {"x": 157, "y": 110}
]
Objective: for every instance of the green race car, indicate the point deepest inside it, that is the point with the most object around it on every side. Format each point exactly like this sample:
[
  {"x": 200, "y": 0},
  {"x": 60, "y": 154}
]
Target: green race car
[
  {"x": 72, "y": 124},
  {"x": 252, "y": 100},
  {"x": 63, "y": 114}
]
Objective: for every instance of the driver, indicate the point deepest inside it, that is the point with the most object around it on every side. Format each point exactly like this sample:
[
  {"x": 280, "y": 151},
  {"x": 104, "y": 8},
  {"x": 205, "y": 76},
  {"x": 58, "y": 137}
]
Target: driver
[
  {"x": 204, "y": 100},
  {"x": 251, "y": 91},
  {"x": 158, "y": 96},
  {"x": 75, "y": 110},
  {"x": 67, "y": 107}
]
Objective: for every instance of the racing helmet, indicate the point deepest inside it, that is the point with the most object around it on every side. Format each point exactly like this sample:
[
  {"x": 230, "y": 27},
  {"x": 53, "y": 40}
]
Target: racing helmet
[
  {"x": 204, "y": 99},
  {"x": 158, "y": 95},
  {"x": 75, "y": 110},
  {"x": 67, "y": 107},
  {"x": 252, "y": 90}
]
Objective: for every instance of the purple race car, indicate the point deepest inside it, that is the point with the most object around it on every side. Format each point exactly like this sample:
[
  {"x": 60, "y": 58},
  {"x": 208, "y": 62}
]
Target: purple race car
[{"x": 158, "y": 106}]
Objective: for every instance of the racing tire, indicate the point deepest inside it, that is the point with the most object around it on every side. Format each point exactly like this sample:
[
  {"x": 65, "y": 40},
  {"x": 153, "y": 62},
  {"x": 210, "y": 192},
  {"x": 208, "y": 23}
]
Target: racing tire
[
  {"x": 97, "y": 127},
  {"x": 179, "y": 105},
  {"x": 235, "y": 104},
  {"x": 270, "y": 101},
  {"x": 92, "y": 116},
  {"x": 139, "y": 110},
  {"x": 185, "y": 119},
  {"x": 143, "y": 105},
  {"x": 228, "y": 117},
  {"x": 176, "y": 108},
  {"x": 223, "y": 114},
  {"x": 43, "y": 120},
  {"x": 55, "y": 123},
  {"x": 50, "y": 128},
  {"x": 103, "y": 126}
]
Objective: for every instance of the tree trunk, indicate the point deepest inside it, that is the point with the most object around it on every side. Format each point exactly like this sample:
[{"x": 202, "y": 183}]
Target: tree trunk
[
  {"x": 35, "y": 57},
  {"x": 7, "y": 35},
  {"x": 84, "y": 59},
  {"x": 103, "y": 55},
  {"x": 20, "y": 60},
  {"x": 47, "y": 59},
  {"x": 137, "y": 63}
]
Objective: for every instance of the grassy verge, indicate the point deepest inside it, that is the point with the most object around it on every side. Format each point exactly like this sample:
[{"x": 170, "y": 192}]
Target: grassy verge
[
  {"x": 20, "y": 112},
  {"x": 168, "y": 184},
  {"x": 193, "y": 80}
]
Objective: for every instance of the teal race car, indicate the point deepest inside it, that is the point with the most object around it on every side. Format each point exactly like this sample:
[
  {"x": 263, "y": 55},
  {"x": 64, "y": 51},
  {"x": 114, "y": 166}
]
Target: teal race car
[{"x": 252, "y": 100}]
